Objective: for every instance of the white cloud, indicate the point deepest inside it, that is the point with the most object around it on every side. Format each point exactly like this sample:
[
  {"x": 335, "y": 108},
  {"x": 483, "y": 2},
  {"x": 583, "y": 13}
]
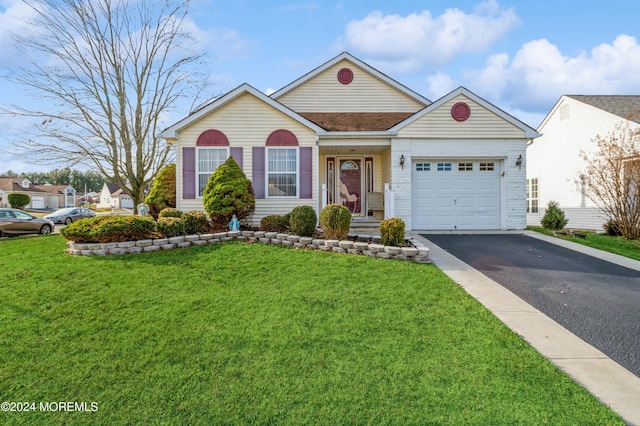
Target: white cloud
[
  {"x": 421, "y": 41},
  {"x": 540, "y": 73},
  {"x": 14, "y": 18}
]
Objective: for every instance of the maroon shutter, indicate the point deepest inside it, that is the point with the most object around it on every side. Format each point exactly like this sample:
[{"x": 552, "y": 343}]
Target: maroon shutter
[
  {"x": 306, "y": 172},
  {"x": 188, "y": 173},
  {"x": 236, "y": 153},
  {"x": 258, "y": 171}
]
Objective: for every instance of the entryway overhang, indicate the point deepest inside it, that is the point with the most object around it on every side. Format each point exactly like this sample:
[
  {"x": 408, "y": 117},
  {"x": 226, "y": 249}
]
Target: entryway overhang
[{"x": 354, "y": 143}]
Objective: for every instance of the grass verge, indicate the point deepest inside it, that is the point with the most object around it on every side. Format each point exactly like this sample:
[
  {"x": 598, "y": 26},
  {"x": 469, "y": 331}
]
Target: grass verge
[
  {"x": 617, "y": 245},
  {"x": 255, "y": 334}
]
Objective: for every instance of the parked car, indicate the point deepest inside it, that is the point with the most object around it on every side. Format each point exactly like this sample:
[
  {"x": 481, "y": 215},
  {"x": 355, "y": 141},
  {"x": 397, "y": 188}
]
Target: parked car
[
  {"x": 70, "y": 214},
  {"x": 18, "y": 222}
]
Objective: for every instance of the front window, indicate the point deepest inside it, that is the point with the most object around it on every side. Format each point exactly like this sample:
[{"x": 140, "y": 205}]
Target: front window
[
  {"x": 209, "y": 159},
  {"x": 282, "y": 172}
]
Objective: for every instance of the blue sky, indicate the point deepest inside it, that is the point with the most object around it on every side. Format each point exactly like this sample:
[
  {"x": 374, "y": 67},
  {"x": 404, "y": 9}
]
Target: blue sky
[{"x": 519, "y": 55}]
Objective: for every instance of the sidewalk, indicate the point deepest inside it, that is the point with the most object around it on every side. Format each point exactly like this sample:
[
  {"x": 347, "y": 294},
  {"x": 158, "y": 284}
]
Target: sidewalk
[{"x": 612, "y": 384}]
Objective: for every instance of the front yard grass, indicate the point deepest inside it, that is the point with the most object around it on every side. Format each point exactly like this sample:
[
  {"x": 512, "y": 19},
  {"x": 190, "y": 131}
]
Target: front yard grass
[
  {"x": 240, "y": 333},
  {"x": 617, "y": 245}
]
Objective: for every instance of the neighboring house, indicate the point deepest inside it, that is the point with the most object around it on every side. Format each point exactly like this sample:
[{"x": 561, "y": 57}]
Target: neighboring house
[
  {"x": 346, "y": 133},
  {"x": 554, "y": 163},
  {"x": 112, "y": 196},
  {"x": 58, "y": 196},
  {"x": 42, "y": 196}
]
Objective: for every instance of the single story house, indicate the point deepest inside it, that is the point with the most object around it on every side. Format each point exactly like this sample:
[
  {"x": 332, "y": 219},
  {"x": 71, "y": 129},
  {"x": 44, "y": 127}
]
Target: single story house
[
  {"x": 42, "y": 196},
  {"x": 112, "y": 196},
  {"x": 347, "y": 133},
  {"x": 554, "y": 163}
]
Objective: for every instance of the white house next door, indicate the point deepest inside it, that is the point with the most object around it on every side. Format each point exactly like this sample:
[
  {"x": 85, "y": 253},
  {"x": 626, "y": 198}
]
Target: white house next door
[{"x": 456, "y": 194}]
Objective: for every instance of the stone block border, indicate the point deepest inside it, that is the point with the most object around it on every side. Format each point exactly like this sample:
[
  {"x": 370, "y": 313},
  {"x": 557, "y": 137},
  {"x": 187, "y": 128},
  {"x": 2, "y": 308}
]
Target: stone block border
[{"x": 354, "y": 244}]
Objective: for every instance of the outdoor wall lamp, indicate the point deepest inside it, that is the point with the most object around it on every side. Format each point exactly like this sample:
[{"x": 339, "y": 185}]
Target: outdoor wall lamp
[
  {"x": 402, "y": 161},
  {"x": 519, "y": 161}
]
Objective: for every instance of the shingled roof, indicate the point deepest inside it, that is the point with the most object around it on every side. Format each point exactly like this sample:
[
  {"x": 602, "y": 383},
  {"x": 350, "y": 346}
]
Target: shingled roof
[
  {"x": 356, "y": 121},
  {"x": 625, "y": 106}
]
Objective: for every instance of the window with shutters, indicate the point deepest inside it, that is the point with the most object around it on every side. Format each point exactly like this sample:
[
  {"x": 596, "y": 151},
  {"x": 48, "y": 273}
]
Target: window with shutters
[
  {"x": 208, "y": 160},
  {"x": 282, "y": 172}
]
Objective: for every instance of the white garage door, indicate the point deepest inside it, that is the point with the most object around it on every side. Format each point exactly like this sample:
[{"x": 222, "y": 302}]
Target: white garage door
[
  {"x": 37, "y": 202},
  {"x": 456, "y": 194}
]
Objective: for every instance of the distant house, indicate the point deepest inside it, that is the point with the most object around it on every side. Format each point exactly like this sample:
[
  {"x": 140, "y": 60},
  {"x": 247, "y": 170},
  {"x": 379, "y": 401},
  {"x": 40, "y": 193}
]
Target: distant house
[
  {"x": 112, "y": 196},
  {"x": 554, "y": 163},
  {"x": 346, "y": 133},
  {"x": 58, "y": 196},
  {"x": 42, "y": 196}
]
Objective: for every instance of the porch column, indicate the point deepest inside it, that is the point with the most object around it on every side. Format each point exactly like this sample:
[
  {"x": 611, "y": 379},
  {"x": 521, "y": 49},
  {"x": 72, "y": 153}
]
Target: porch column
[
  {"x": 389, "y": 202},
  {"x": 324, "y": 196}
]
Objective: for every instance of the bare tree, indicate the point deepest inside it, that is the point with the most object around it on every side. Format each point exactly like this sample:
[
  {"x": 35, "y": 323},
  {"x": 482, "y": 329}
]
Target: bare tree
[
  {"x": 107, "y": 73},
  {"x": 612, "y": 177}
]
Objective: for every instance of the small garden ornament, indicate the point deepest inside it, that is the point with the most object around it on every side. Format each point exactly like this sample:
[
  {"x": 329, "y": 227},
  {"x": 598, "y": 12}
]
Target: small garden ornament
[{"x": 234, "y": 225}]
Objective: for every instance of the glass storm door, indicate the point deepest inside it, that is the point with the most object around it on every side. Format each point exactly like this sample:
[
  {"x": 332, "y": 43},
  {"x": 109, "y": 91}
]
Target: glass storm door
[{"x": 350, "y": 185}]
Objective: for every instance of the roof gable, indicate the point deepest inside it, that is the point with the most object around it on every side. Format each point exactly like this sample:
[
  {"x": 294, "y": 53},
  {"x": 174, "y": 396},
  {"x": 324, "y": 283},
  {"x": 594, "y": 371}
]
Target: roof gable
[
  {"x": 508, "y": 119},
  {"x": 171, "y": 133},
  {"x": 624, "y": 106},
  {"x": 340, "y": 63}
]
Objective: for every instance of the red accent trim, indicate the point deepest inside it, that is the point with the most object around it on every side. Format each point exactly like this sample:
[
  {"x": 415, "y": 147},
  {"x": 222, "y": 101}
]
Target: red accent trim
[
  {"x": 460, "y": 111},
  {"x": 212, "y": 137},
  {"x": 345, "y": 76},
  {"x": 282, "y": 137}
]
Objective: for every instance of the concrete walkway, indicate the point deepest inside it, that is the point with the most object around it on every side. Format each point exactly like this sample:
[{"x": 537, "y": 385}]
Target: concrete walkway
[{"x": 612, "y": 384}]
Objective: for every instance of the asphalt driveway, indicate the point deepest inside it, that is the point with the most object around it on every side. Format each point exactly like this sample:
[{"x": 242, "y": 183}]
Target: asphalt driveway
[{"x": 596, "y": 300}]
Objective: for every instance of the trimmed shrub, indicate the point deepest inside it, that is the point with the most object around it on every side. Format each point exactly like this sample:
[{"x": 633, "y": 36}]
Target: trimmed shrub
[
  {"x": 612, "y": 228},
  {"x": 18, "y": 201},
  {"x": 170, "y": 226},
  {"x": 110, "y": 229},
  {"x": 228, "y": 192},
  {"x": 170, "y": 212},
  {"x": 392, "y": 231},
  {"x": 275, "y": 223},
  {"x": 554, "y": 217},
  {"x": 195, "y": 222},
  {"x": 163, "y": 192},
  {"x": 303, "y": 220},
  {"x": 335, "y": 221}
]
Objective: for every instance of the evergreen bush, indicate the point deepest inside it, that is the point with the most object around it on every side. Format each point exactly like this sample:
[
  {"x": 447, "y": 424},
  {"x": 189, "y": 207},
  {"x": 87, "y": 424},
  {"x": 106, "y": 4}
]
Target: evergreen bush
[
  {"x": 303, "y": 221},
  {"x": 163, "y": 192},
  {"x": 170, "y": 212},
  {"x": 170, "y": 226},
  {"x": 195, "y": 222},
  {"x": 392, "y": 232},
  {"x": 335, "y": 220},
  {"x": 110, "y": 229},
  {"x": 18, "y": 201},
  {"x": 554, "y": 217},
  {"x": 228, "y": 192},
  {"x": 275, "y": 223}
]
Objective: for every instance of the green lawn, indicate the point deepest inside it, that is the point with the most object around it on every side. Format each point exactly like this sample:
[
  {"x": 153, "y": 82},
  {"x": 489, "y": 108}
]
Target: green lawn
[
  {"x": 253, "y": 334},
  {"x": 617, "y": 245}
]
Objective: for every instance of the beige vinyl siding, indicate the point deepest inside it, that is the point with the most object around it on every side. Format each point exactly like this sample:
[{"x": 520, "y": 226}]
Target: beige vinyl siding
[
  {"x": 247, "y": 122},
  {"x": 482, "y": 123},
  {"x": 366, "y": 93}
]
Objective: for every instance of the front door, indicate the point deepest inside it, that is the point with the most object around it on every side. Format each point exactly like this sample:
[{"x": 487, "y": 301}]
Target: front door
[{"x": 350, "y": 185}]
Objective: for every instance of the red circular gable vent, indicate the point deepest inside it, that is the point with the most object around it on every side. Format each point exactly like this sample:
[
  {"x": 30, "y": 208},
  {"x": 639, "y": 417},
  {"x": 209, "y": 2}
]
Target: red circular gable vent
[
  {"x": 345, "y": 76},
  {"x": 460, "y": 111}
]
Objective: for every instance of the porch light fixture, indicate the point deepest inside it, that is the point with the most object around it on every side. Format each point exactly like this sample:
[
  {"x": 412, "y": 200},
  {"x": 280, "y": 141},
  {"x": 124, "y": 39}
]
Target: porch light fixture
[
  {"x": 402, "y": 161},
  {"x": 519, "y": 161}
]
